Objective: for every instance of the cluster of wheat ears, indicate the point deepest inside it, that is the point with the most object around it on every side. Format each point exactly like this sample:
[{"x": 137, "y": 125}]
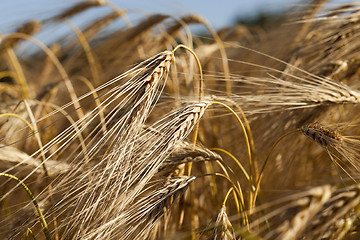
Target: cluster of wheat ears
[{"x": 249, "y": 132}]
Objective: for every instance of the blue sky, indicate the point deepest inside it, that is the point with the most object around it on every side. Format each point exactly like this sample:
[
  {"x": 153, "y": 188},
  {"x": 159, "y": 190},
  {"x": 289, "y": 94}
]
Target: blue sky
[{"x": 218, "y": 12}]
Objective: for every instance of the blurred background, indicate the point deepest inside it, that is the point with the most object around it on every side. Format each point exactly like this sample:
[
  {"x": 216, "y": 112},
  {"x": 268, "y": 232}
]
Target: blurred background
[{"x": 218, "y": 13}]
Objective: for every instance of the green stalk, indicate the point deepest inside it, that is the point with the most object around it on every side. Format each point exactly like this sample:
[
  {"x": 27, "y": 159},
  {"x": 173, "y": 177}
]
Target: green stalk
[{"x": 41, "y": 216}]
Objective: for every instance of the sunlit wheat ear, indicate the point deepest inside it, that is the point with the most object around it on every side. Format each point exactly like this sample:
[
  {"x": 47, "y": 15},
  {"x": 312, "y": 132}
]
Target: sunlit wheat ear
[
  {"x": 291, "y": 214},
  {"x": 153, "y": 206},
  {"x": 126, "y": 178},
  {"x": 277, "y": 94},
  {"x": 139, "y": 218},
  {"x": 130, "y": 103},
  {"x": 173, "y": 129},
  {"x": 337, "y": 215},
  {"x": 168, "y": 137},
  {"x": 220, "y": 227},
  {"x": 187, "y": 153},
  {"x": 136, "y": 97},
  {"x": 146, "y": 87},
  {"x": 344, "y": 151}
]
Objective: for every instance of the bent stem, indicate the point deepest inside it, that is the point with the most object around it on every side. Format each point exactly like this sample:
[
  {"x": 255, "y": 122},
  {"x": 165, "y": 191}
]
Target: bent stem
[
  {"x": 237, "y": 163},
  {"x": 20, "y": 76},
  {"x": 247, "y": 146},
  {"x": 19, "y": 117},
  {"x": 38, "y": 139},
  {"x": 37, "y": 136},
  {"x": 249, "y": 132},
  {"x": 223, "y": 54},
  {"x": 58, "y": 66},
  {"x": 235, "y": 188},
  {"x": 201, "y": 91},
  {"x": 96, "y": 99},
  {"x": 257, "y": 185},
  {"x": 30, "y": 233},
  {"x": 41, "y": 216},
  {"x": 201, "y": 82},
  {"x": 227, "y": 195},
  {"x": 94, "y": 66},
  {"x": 196, "y": 128},
  {"x": 223, "y": 168}
]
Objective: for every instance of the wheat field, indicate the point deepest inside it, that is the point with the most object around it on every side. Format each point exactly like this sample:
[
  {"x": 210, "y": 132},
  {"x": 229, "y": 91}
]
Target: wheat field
[{"x": 153, "y": 131}]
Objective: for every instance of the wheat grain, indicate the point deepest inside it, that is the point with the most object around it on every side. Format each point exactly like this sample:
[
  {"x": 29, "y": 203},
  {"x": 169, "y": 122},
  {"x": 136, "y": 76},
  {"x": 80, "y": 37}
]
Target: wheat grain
[
  {"x": 220, "y": 227},
  {"x": 342, "y": 150},
  {"x": 323, "y": 136},
  {"x": 186, "y": 153}
]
